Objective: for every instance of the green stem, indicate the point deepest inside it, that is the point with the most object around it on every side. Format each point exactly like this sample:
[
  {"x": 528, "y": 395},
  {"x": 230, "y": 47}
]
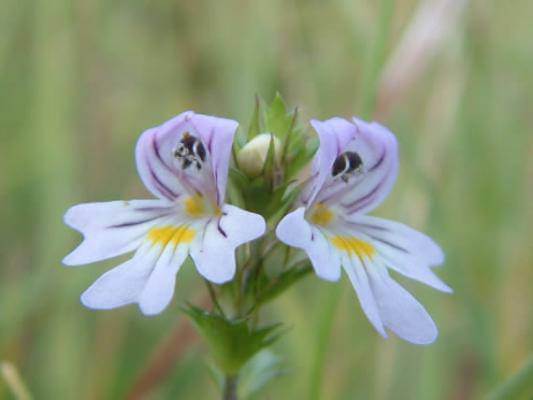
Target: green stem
[{"x": 230, "y": 388}]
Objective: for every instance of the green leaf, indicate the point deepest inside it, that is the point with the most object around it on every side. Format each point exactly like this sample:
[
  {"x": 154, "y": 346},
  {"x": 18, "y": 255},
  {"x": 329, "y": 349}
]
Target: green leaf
[
  {"x": 231, "y": 342},
  {"x": 282, "y": 282},
  {"x": 277, "y": 120}
]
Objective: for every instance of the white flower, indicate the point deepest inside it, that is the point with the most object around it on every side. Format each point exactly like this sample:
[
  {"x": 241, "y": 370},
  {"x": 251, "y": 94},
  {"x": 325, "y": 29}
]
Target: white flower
[
  {"x": 184, "y": 163},
  {"x": 353, "y": 171}
]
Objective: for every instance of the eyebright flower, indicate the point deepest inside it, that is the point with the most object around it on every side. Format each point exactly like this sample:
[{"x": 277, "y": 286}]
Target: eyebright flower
[
  {"x": 184, "y": 163},
  {"x": 353, "y": 171}
]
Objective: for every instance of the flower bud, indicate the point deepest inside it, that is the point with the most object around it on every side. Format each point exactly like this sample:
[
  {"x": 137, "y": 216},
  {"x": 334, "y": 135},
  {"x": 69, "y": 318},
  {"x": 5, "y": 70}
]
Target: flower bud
[{"x": 252, "y": 156}]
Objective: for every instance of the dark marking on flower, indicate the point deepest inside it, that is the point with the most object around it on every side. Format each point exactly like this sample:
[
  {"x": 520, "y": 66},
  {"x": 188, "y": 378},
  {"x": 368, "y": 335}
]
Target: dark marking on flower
[
  {"x": 129, "y": 224},
  {"x": 222, "y": 232},
  {"x": 155, "y": 147},
  {"x": 190, "y": 150},
  {"x": 378, "y": 162},
  {"x": 165, "y": 190},
  {"x": 390, "y": 244},
  {"x": 346, "y": 165}
]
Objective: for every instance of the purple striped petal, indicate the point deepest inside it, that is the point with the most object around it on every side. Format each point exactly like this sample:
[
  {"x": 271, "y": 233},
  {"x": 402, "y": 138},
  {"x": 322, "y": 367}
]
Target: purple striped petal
[
  {"x": 165, "y": 176},
  {"x": 378, "y": 150}
]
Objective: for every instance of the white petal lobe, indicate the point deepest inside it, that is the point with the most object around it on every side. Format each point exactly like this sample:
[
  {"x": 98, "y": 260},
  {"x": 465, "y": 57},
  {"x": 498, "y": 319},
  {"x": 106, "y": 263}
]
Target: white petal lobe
[
  {"x": 159, "y": 288},
  {"x": 214, "y": 252},
  {"x": 401, "y": 312},
  {"x": 112, "y": 228},
  {"x": 294, "y": 230}
]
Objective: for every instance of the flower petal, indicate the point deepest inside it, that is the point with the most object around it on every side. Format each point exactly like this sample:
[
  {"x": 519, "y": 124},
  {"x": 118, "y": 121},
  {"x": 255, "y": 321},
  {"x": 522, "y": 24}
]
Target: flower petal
[
  {"x": 214, "y": 254},
  {"x": 399, "y": 311},
  {"x": 359, "y": 279},
  {"x": 155, "y": 161},
  {"x": 402, "y": 248},
  {"x": 121, "y": 285},
  {"x": 217, "y": 133},
  {"x": 334, "y": 135},
  {"x": 377, "y": 149},
  {"x": 148, "y": 278},
  {"x": 112, "y": 228},
  {"x": 159, "y": 288},
  {"x": 385, "y": 303},
  {"x": 295, "y": 231},
  {"x": 167, "y": 177}
]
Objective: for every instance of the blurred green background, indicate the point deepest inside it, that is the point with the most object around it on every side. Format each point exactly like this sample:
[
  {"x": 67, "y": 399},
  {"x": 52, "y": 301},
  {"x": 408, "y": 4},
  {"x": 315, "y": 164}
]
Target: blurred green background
[{"x": 80, "y": 80}]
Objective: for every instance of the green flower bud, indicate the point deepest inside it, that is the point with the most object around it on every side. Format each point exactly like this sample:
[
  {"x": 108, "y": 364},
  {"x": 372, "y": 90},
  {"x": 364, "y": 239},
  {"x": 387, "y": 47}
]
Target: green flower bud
[{"x": 252, "y": 156}]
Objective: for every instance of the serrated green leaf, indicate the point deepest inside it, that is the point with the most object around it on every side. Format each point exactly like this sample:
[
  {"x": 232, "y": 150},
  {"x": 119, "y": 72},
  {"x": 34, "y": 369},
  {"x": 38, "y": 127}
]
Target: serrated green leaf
[{"x": 231, "y": 342}]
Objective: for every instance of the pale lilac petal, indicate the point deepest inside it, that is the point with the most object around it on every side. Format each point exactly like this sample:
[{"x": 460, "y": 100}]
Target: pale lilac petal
[
  {"x": 217, "y": 134},
  {"x": 295, "y": 231},
  {"x": 165, "y": 176},
  {"x": 364, "y": 191},
  {"x": 378, "y": 149},
  {"x": 359, "y": 279},
  {"x": 155, "y": 161},
  {"x": 399, "y": 311},
  {"x": 112, "y": 228},
  {"x": 334, "y": 135},
  {"x": 214, "y": 254},
  {"x": 402, "y": 249},
  {"x": 148, "y": 279},
  {"x": 121, "y": 285},
  {"x": 159, "y": 288}
]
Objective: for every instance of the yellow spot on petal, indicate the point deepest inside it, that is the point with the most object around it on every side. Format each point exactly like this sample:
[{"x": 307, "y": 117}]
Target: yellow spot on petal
[
  {"x": 352, "y": 245},
  {"x": 171, "y": 234},
  {"x": 321, "y": 215},
  {"x": 195, "y": 206}
]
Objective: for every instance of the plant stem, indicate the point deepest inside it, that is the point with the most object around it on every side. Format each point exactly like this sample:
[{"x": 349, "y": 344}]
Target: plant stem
[{"x": 230, "y": 388}]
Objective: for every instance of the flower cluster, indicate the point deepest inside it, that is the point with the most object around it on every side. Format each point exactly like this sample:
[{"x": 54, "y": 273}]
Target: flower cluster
[{"x": 185, "y": 164}]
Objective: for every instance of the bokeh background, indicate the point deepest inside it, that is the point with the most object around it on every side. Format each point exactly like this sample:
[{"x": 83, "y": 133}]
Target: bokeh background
[{"x": 79, "y": 81}]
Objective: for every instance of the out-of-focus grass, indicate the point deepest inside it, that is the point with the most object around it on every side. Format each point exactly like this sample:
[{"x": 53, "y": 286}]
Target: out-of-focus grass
[{"x": 80, "y": 80}]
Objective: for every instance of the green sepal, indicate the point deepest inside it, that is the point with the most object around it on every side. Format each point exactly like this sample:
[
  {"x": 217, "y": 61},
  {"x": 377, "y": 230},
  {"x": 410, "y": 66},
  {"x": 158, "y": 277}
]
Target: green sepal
[
  {"x": 231, "y": 342},
  {"x": 277, "y": 120},
  {"x": 302, "y": 157},
  {"x": 270, "y": 163},
  {"x": 254, "y": 128},
  {"x": 285, "y": 200}
]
